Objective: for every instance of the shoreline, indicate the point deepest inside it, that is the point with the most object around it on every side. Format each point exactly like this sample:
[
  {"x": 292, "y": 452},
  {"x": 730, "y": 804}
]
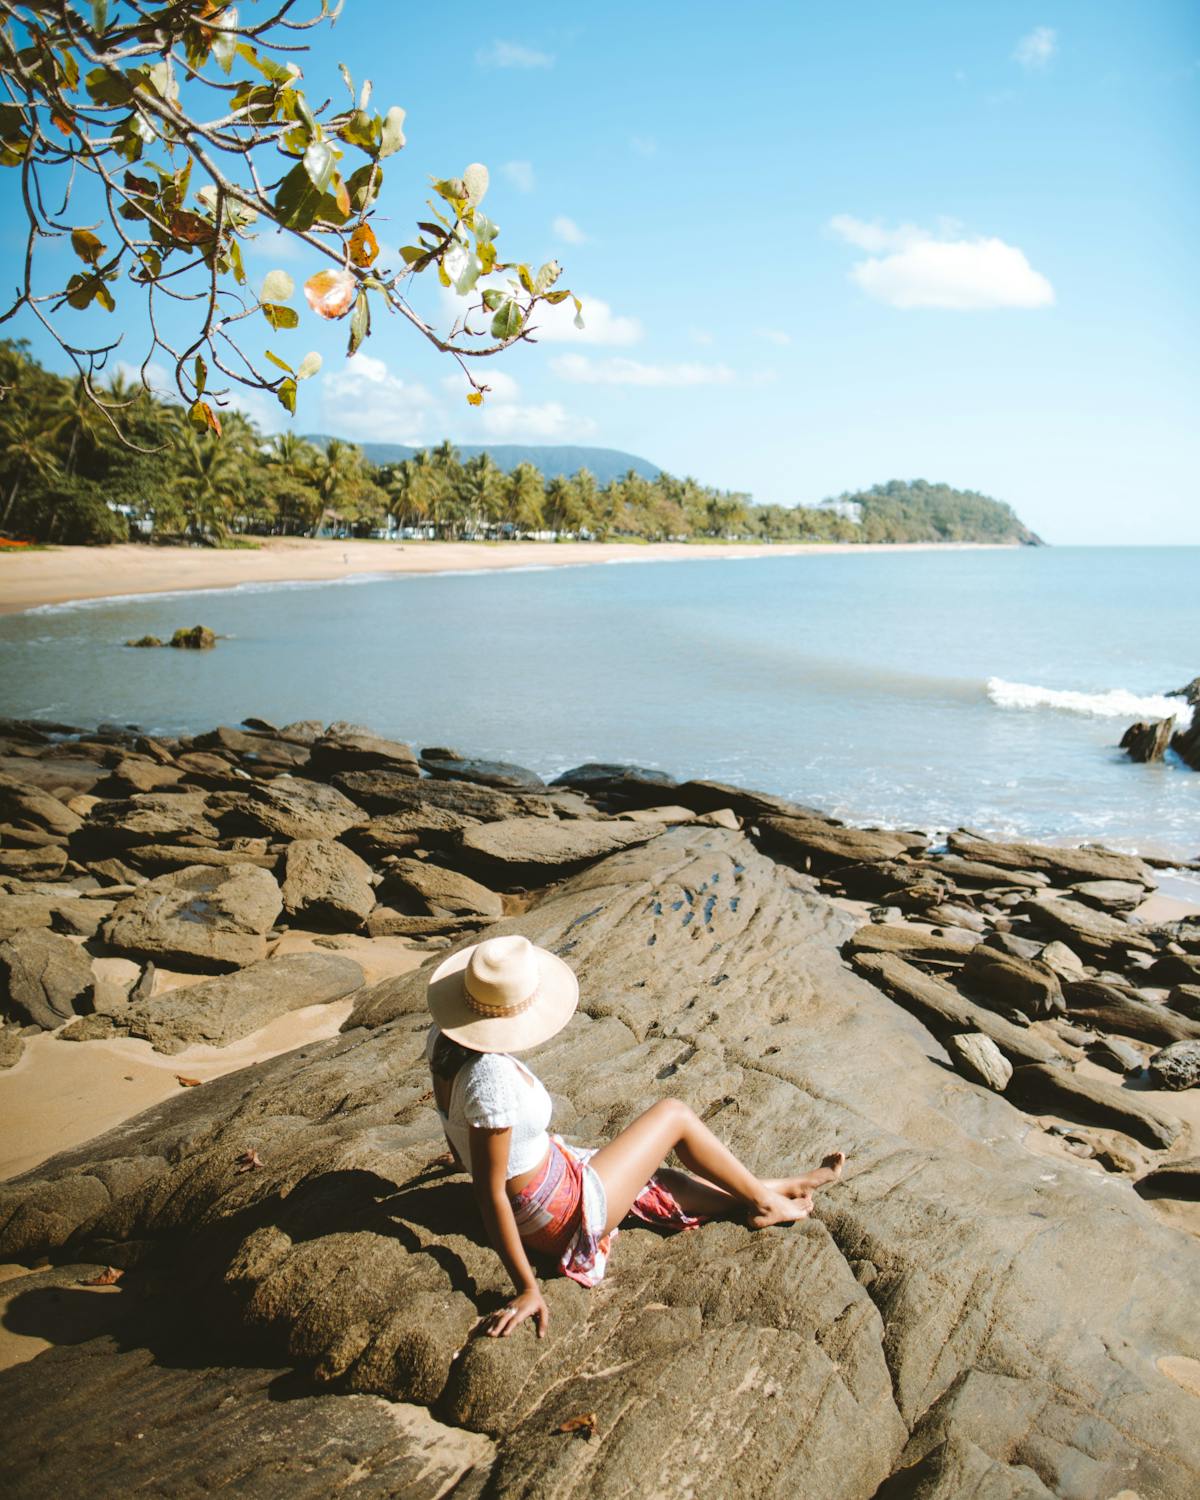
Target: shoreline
[{"x": 70, "y": 575}]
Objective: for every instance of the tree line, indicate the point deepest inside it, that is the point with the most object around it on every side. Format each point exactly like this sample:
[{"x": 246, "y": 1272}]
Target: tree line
[{"x": 67, "y": 477}]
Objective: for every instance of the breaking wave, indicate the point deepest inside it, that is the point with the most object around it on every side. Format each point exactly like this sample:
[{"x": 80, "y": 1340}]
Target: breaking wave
[{"x": 1116, "y": 703}]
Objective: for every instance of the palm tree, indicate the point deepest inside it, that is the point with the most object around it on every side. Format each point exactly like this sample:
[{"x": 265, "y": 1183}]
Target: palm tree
[
  {"x": 480, "y": 491},
  {"x": 209, "y": 483},
  {"x": 291, "y": 462},
  {"x": 524, "y": 496},
  {"x": 29, "y": 450}
]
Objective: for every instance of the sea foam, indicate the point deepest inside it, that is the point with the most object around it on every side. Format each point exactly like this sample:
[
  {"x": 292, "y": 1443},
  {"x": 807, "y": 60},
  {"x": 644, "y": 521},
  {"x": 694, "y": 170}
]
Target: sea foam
[{"x": 1114, "y": 703}]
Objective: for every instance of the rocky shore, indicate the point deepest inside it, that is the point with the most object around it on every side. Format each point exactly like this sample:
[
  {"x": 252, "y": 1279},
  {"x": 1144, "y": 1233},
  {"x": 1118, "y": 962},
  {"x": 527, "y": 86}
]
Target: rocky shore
[{"x": 268, "y": 1282}]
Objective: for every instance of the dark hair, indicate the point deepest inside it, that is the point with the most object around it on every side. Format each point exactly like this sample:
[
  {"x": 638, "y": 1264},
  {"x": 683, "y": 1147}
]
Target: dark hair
[{"x": 448, "y": 1057}]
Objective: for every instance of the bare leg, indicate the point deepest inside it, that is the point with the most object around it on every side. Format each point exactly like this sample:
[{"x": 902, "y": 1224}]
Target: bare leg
[
  {"x": 698, "y": 1196},
  {"x": 627, "y": 1163}
]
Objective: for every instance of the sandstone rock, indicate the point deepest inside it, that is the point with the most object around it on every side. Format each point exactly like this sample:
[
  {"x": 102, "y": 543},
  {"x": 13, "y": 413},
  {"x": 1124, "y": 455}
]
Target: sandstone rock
[
  {"x": 1144, "y": 742},
  {"x": 219, "y": 1011},
  {"x": 516, "y": 853},
  {"x": 945, "y": 914},
  {"x": 909, "y": 940},
  {"x": 1172, "y": 1179},
  {"x": 138, "y": 774},
  {"x": 425, "y": 889},
  {"x": 286, "y": 808},
  {"x": 386, "y": 921},
  {"x": 1190, "y": 692},
  {"x": 979, "y": 873},
  {"x": 302, "y": 731},
  {"x": 619, "y": 786},
  {"x": 1018, "y": 947},
  {"x": 45, "y": 863},
  {"x": 1064, "y": 866},
  {"x": 326, "y": 885},
  {"x": 198, "y": 638},
  {"x": 720, "y": 817},
  {"x": 1065, "y": 963},
  {"x": 199, "y": 918},
  {"x": 495, "y": 773},
  {"x": 1102, "y": 936},
  {"x": 707, "y": 796},
  {"x": 352, "y": 748},
  {"x": 45, "y": 979},
  {"x": 22, "y": 802},
  {"x": 1177, "y": 1066},
  {"x": 273, "y": 753},
  {"x": 1112, "y": 1053},
  {"x": 1186, "y": 743},
  {"x": 1031, "y": 986},
  {"x": 147, "y": 818},
  {"x": 899, "y": 1323},
  {"x": 1118, "y": 1010},
  {"x": 386, "y": 792},
  {"x": 154, "y": 859},
  {"x": 810, "y": 844},
  {"x": 1110, "y": 895},
  {"x": 979, "y": 1058},
  {"x": 1060, "y": 1091},
  {"x": 429, "y": 827},
  {"x": 145, "y": 641},
  {"x": 665, "y": 815},
  {"x": 12, "y": 1044},
  {"x": 1185, "y": 998},
  {"x": 25, "y": 910},
  {"x": 1176, "y": 968}
]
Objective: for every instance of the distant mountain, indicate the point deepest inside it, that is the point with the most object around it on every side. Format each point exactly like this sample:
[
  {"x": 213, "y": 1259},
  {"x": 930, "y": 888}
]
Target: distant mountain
[{"x": 605, "y": 463}]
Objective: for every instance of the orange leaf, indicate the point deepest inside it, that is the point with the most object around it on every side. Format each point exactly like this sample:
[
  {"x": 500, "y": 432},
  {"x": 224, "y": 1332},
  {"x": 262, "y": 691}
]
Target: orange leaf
[
  {"x": 584, "y": 1424},
  {"x": 330, "y": 293},
  {"x": 190, "y": 229},
  {"x": 108, "y": 1277},
  {"x": 364, "y": 247},
  {"x": 194, "y": 1083}
]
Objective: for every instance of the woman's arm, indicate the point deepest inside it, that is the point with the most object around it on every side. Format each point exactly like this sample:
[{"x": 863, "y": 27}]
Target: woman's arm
[{"x": 489, "y": 1171}]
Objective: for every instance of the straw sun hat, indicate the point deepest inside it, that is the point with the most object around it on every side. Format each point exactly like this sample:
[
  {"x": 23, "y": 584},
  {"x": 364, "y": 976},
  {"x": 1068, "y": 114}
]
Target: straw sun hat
[{"x": 502, "y": 995}]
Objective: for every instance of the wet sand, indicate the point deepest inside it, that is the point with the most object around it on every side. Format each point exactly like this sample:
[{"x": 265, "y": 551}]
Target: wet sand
[{"x": 62, "y": 574}]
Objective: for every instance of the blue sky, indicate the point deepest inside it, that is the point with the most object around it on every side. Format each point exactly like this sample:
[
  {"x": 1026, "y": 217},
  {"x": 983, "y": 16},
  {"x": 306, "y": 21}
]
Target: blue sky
[{"x": 818, "y": 246}]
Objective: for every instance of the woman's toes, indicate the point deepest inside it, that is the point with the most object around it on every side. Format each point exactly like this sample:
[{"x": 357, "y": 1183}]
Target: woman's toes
[{"x": 833, "y": 1164}]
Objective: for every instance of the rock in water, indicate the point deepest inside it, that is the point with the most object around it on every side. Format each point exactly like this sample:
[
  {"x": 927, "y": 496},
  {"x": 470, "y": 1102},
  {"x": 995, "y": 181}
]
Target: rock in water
[
  {"x": 978, "y": 1057},
  {"x": 326, "y": 885},
  {"x": 1186, "y": 742},
  {"x": 1176, "y": 1066},
  {"x": 45, "y": 979},
  {"x": 954, "y": 1310},
  {"x": 1145, "y": 742},
  {"x": 219, "y": 1011},
  {"x": 349, "y": 747},
  {"x": 200, "y": 917},
  {"x": 1062, "y": 865},
  {"x": 198, "y": 638},
  {"x": 497, "y": 773}
]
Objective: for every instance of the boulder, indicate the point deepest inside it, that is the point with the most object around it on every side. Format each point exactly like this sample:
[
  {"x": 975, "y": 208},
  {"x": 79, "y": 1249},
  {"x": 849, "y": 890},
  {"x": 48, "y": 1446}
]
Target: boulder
[
  {"x": 24, "y": 910},
  {"x": 28, "y": 805},
  {"x": 427, "y": 827},
  {"x": 421, "y": 888},
  {"x": 153, "y": 859},
  {"x": 978, "y": 1057},
  {"x": 326, "y": 885},
  {"x": 817, "y": 845},
  {"x": 1185, "y": 998},
  {"x": 1186, "y": 743},
  {"x": 198, "y": 638},
  {"x": 1112, "y": 1053},
  {"x": 497, "y": 773},
  {"x": 912, "y": 941},
  {"x": 148, "y": 818},
  {"x": 977, "y": 872},
  {"x": 1027, "y": 984},
  {"x": 45, "y": 979},
  {"x": 619, "y": 786},
  {"x": 43, "y": 863},
  {"x": 708, "y": 796},
  {"x": 386, "y": 921},
  {"x": 890, "y": 1335},
  {"x": 1060, "y": 1091},
  {"x": 285, "y": 808},
  {"x": 352, "y": 748},
  {"x": 1018, "y": 947},
  {"x": 385, "y": 792},
  {"x": 522, "y": 853},
  {"x": 1177, "y": 1066},
  {"x": 1064, "y": 866},
  {"x": 1094, "y": 932},
  {"x": 1059, "y": 957},
  {"x": 1144, "y": 742},
  {"x": 1110, "y": 895},
  {"x": 221, "y": 1010},
  {"x": 1172, "y": 1179},
  {"x": 12, "y": 1044},
  {"x": 1120, "y": 1010},
  {"x": 143, "y": 642},
  {"x": 199, "y": 917},
  {"x": 1175, "y": 968},
  {"x": 1190, "y": 692}
]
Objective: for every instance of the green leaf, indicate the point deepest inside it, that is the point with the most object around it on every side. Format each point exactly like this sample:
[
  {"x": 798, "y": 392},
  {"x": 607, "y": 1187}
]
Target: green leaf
[
  {"x": 225, "y": 42},
  {"x": 509, "y": 320},
  {"x": 106, "y": 88},
  {"x": 235, "y": 261},
  {"x": 494, "y": 298},
  {"x": 412, "y": 253},
  {"x": 86, "y": 246},
  {"x": 281, "y": 364},
  {"x": 475, "y": 180},
  {"x": 201, "y": 375},
  {"x": 363, "y": 186},
  {"x": 360, "y": 323},
  {"x": 280, "y": 317},
  {"x": 546, "y": 277},
  {"x": 99, "y": 15},
  {"x": 320, "y": 161},
  {"x": 392, "y": 138},
  {"x": 286, "y": 391},
  {"x": 361, "y": 130},
  {"x": 554, "y": 298},
  {"x": 277, "y": 286},
  {"x": 296, "y": 200},
  {"x": 309, "y": 366}
]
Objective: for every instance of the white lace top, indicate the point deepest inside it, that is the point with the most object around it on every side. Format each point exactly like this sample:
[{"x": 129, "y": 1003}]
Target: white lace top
[{"x": 496, "y": 1092}]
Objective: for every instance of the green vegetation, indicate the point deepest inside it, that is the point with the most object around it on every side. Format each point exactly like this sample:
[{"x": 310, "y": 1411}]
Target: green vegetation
[{"x": 66, "y": 477}]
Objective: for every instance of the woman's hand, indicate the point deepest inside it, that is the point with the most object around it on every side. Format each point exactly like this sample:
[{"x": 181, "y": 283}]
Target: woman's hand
[{"x": 527, "y": 1304}]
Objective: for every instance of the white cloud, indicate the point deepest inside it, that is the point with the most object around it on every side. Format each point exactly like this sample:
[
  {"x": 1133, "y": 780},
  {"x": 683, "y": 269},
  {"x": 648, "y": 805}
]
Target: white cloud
[
  {"x": 556, "y": 325},
  {"x": 774, "y": 336},
  {"x": 501, "y": 385},
  {"x": 1036, "y": 48},
  {"x": 520, "y": 175},
  {"x": 277, "y": 245},
  {"x": 512, "y": 55},
  {"x": 568, "y": 231},
  {"x": 548, "y": 422},
  {"x": 911, "y": 267},
  {"x": 619, "y": 371},
  {"x": 365, "y": 400}
]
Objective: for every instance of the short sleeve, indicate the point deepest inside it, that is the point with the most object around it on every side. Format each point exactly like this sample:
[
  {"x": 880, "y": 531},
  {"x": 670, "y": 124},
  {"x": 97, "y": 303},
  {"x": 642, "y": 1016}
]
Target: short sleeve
[{"x": 488, "y": 1092}]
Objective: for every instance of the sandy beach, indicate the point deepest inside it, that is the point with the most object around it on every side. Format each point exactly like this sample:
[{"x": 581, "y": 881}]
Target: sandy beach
[{"x": 29, "y": 579}]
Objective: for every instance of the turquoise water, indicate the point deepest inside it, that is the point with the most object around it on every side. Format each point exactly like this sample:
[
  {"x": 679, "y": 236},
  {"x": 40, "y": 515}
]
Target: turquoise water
[{"x": 922, "y": 689}]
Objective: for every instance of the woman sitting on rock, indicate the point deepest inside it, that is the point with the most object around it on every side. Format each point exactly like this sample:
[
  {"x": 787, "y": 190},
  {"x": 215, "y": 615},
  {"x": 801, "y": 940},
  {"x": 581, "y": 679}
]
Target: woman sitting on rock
[{"x": 537, "y": 1193}]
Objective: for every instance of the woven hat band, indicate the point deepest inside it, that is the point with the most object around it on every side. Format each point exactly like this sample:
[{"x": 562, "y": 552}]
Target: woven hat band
[
  {"x": 486, "y": 1008},
  {"x": 502, "y": 976}
]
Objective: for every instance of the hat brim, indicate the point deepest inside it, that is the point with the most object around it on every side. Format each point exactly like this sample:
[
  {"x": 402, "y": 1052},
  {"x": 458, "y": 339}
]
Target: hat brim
[{"x": 556, "y": 1001}]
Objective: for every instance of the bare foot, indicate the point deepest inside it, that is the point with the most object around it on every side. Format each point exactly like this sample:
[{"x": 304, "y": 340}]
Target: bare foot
[
  {"x": 780, "y": 1208},
  {"x": 796, "y": 1187}
]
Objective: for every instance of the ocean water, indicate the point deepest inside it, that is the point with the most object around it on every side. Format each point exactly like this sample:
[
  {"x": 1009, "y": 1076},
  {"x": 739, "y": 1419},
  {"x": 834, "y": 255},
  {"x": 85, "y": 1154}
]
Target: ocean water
[{"x": 926, "y": 689}]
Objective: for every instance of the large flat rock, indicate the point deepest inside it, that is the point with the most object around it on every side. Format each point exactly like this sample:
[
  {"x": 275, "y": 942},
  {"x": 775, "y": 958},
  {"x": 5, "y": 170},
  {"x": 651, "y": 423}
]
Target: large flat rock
[
  {"x": 958, "y": 1307},
  {"x": 517, "y": 853},
  {"x": 200, "y": 917}
]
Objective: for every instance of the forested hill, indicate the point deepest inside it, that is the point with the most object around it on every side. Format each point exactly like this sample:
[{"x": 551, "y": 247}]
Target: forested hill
[
  {"x": 917, "y": 511},
  {"x": 554, "y": 462}
]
